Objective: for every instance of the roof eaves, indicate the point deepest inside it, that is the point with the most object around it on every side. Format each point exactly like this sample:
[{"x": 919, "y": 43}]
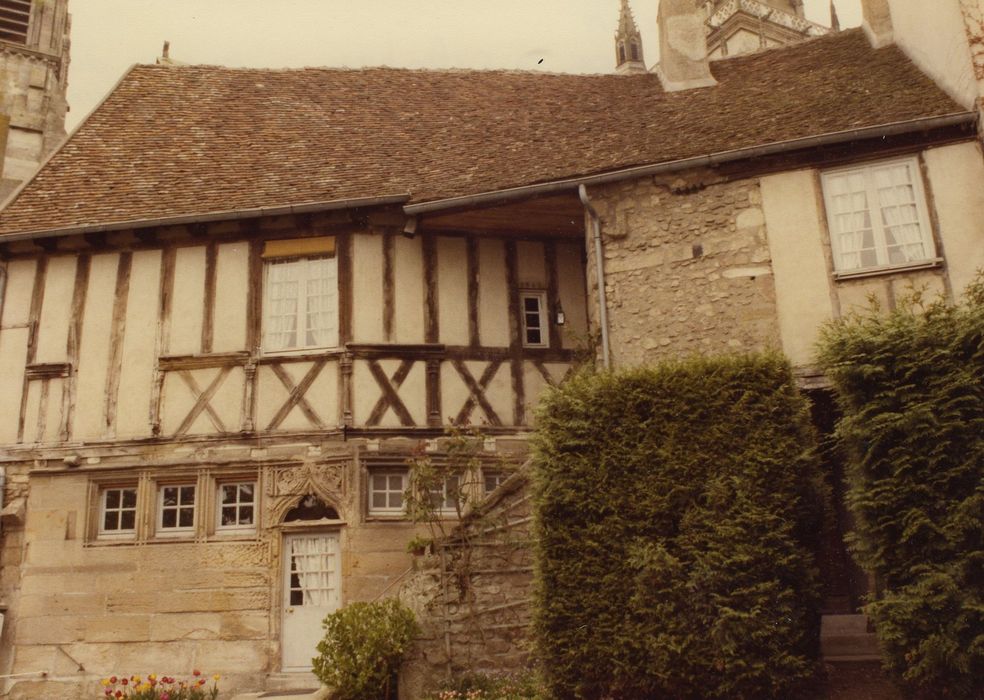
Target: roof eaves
[
  {"x": 229, "y": 215},
  {"x": 525, "y": 191}
]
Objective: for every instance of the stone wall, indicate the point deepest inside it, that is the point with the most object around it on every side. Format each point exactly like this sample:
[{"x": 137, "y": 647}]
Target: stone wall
[
  {"x": 687, "y": 266},
  {"x": 473, "y": 599}
]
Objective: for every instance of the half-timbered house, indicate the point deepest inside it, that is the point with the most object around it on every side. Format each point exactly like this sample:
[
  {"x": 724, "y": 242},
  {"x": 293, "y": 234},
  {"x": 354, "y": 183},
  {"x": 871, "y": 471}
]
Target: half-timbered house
[{"x": 235, "y": 301}]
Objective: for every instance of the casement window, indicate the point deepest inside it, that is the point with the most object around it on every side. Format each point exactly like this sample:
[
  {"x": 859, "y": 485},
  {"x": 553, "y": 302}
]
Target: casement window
[
  {"x": 118, "y": 512},
  {"x": 878, "y": 216},
  {"x": 176, "y": 509},
  {"x": 492, "y": 479},
  {"x": 533, "y": 311},
  {"x": 235, "y": 506},
  {"x": 300, "y": 298},
  {"x": 15, "y": 17},
  {"x": 386, "y": 488},
  {"x": 446, "y": 497}
]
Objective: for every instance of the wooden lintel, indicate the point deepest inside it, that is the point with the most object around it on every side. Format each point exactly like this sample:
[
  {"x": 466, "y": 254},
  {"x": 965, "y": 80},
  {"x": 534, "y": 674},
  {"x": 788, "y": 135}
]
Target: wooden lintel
[
  {"x": 171, "y": 363},
  {"x": 48, "y": 370}
]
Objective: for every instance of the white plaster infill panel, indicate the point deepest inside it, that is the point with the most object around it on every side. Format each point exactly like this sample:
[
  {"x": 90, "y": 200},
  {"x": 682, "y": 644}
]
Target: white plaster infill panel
[
  {"x": 956, "y": 177},
  {"x": 795, "y": 231}
]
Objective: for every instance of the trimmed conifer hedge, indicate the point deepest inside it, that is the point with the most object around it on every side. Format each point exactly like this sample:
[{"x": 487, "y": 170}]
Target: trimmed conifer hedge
[
  {"x": 676, "y": 510},
  {"x": 911, "y": 391}
]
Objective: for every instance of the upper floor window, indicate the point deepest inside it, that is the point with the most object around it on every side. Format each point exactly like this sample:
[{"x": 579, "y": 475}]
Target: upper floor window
[
  {"x": 386, "y": 489},
  {"x": 877, "y": 215},
  {"x": 15, "y": 16},
  {"x": 300, "y": 294},
  {"x": 176, "y": 510},
  {"x": 447, "y": 497},
  {"x": 533, "y": 307},
  {"x": 492, "y": 479},
  {"x": 118, "y": 512},
  {"x": 236, "y": 508}
]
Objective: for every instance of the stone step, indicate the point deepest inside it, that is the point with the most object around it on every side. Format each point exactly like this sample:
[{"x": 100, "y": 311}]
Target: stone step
[
  {"x": 295, "y": 694},
  {"x": 850, "y": 647},
  {"x": 837, "y": 625}
]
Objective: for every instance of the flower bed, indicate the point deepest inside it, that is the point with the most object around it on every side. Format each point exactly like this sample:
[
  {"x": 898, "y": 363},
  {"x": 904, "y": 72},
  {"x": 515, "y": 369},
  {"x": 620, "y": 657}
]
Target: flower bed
[{"x": 155, "y": 687}]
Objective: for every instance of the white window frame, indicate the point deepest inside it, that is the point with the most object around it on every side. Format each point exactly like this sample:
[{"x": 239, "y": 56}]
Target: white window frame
[
  {"x": 177, "y": 530},
  {"x": 498, "y": 475},
  {"x": 304, "y": 269},
  {"x": 371, "y": 491},
  {"x": 120, "y": 533},
  {"x": 220, "y": 505},
  {"x": 878, "y": 227},
  {"x": 544, "y": 325},
  {"x": 447, "y": 506}
]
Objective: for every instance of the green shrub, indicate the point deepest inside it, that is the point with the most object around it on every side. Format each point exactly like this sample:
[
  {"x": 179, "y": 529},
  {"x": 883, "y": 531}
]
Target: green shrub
[
  {"x": 676, "y": 511},
  {"x": 911, "y": 390},
  {"x": 363, "y": 648}
]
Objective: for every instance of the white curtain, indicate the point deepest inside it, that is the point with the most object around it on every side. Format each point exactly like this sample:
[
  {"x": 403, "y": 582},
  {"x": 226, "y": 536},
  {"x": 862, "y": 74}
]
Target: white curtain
[
  {"x": 321, "y": 305},
  {"x": 314, "y": 561},
  {"x": 281, "y": 326}
]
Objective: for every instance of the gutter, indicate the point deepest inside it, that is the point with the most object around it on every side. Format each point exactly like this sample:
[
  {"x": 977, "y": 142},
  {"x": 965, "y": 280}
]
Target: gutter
[
  {"x": 718, "y": 158},
  {"x": 582, "y": 192},
  {"x": 232, "y": 214}
]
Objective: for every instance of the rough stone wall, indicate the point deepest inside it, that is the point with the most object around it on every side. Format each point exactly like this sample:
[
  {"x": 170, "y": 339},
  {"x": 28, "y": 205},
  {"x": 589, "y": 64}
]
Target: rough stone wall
[
  {"x": 477, "y": 608},
  {"x": 687, "y": 267}
]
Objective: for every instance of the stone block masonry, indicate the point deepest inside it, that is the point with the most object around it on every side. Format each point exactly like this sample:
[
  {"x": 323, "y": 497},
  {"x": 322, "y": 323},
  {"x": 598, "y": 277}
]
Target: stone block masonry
[{"x": 687, "y": 267}]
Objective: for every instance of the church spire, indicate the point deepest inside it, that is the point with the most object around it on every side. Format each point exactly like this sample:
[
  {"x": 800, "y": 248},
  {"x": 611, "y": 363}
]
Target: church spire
[
  {"x": 628, "y": 43},
  {"x": 835, "y": 25}
]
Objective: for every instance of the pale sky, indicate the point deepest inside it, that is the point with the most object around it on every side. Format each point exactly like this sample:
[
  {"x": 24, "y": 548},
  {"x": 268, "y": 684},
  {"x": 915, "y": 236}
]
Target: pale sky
[{"x": 568, "y": 36}]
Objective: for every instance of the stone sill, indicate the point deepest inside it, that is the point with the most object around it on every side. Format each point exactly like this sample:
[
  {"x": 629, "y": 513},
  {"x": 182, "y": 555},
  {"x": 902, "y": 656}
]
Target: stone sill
[{"x": 889, "y": 269}]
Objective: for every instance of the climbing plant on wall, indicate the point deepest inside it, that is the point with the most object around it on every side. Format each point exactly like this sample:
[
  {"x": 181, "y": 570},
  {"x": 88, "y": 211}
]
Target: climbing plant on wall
[
  {"x": 677, "y": 508},
  {"x": 911, "y": 390}
]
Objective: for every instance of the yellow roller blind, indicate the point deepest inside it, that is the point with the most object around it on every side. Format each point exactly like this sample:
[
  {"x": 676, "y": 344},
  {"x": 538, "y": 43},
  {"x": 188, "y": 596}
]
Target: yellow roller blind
[{"x": 299, "y": 247}]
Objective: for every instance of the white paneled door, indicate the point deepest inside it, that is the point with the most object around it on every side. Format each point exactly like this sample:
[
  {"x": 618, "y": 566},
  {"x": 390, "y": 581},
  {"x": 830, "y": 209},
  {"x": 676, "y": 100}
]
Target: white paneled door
[{"x": 312, "y": 590}]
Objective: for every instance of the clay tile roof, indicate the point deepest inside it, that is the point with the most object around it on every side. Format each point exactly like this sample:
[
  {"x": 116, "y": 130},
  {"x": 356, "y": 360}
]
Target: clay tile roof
[{"x": 176, "y": 141}]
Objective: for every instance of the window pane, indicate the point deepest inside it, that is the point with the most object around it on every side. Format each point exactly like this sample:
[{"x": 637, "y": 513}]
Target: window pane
[
  {"x": 533, "y": 336},
  {"x": 113, "y": 498},
  {"x": 128, "y": 520},
  {"x": 246, "y": 493},
  {"x": 109, "y": 520},
  {"x": 187, "y": 494},
  {"x": 396, "y": 499},
  {"x": 169, "y": 518},
  {"x": 246, "y": 515},
  {"x": 229, "y": 493},
  {"x": 531, "y": 304},
  {"x": 229, "y": 516},
  {"x": 170, "y": 496},
  {"x": 378, "y": 499},
  {"x": 129, "y": 498},
  {"x": 187, "y": 517}
]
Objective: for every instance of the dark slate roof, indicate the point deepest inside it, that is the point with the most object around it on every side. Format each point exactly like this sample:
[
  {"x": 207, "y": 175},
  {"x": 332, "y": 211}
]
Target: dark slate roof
[{"x": 174, "y": 141}]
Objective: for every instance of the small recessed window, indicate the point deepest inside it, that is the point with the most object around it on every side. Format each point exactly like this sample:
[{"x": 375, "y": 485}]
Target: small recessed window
[
  {"x": 236, "y": 506},
  {"x": 533, "y": 309},
  {"x": 878, "y": 216},
  {"x": 176, "y": 510},
  {"x": 118, "y": 512},
  {"x": 386, "y": 489},
  {"x": 446, "y": 498},
  {"x": 492, "y": 479}
]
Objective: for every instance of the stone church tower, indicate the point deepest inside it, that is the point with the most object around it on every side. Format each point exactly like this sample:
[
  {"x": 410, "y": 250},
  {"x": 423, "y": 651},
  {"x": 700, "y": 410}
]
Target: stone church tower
[
  {"x": 34, "y": 57},
  {"x": 743, "y": 26},
  {"x": 628, "y": 43}
]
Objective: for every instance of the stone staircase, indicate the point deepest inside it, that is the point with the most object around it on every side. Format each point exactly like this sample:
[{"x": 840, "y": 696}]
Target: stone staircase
[
  {"x": 847, "y": 639},
  {"x": 288, "y": 686}
]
